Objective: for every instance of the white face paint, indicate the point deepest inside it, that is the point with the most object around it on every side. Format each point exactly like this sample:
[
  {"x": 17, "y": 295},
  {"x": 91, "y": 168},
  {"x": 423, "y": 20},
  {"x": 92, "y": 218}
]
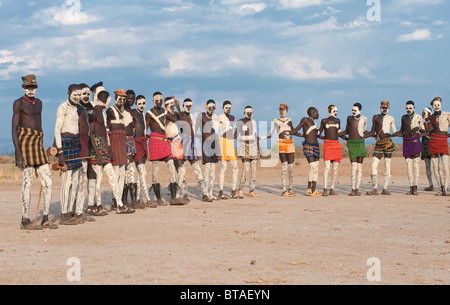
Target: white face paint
[
  {"x": 283, "y": 113},
  {"x": 410, "y": 109},
  {"x": 187, "y": 107},
  {"x": 356, "y": 111},
  {"x": 108, "y": 102},
  {"x": 85, "y": 95},
  {"x": 211, "y": 108},
  {"x": 75, "y": 97},
  {"x": 334, "y": 112},
  {"x": 30, "y": 91},
  {"x": 437, "y": 106},
  {"x": 384, "y": 110},
  {"x": 97, "y": 91},
  {"x": 227, "y": 109},
  {"x": 140, "y": 105},
  {"x": 425, "y": 115},
  {"x": 248, "y": 113},
  {"x": 170, "y": 106}
]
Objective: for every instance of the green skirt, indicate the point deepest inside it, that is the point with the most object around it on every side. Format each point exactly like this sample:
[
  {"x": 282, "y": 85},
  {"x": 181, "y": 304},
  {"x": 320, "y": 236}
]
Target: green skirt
[{"x": 356, "y": 149}]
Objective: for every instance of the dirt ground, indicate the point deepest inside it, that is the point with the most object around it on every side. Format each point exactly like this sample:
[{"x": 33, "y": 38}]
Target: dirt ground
[{"x": 270, "y": 240}]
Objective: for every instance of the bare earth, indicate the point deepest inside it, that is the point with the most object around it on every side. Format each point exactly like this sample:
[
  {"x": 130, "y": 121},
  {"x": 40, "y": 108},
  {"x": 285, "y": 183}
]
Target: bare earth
[{"x": 270, "y": 240}]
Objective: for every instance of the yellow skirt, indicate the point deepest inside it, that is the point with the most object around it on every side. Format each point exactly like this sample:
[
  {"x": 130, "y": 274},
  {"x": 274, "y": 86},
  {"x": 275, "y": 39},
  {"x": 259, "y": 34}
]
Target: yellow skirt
[{"x": 228, "y": 150}]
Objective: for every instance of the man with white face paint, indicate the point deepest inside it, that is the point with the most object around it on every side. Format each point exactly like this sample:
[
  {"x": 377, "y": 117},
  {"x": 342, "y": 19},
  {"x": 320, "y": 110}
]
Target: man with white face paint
[
  {"x": 160, "y": 150},
  {"x": 186, "y": 125},
  {"x": 117, "y": 135},
  {"x": 67, "y": 141},
  {"x": 101, "y": 160},
  {"x": 141, "y": 155},
  {"x": 356, "y": 129},
  {"x": 30, "y": 154},
  {"x": 311, "y": 149},
  {"x": 286, "y": 148},
  {"x": 226, "y": 121},
  {"x": 412, "y": 127},
  {"x": 96, "y": 89},
  {"x": 438, "y": 145},
  {"x": 426, "y": 157},
  {"x": 332, "y": 153},
  {"x": 247, "y": 135},
  {"x": 208, "y": 123},
  {"x": 130, "y": 186},
  {"x": 176, "y": 143},
  {"x": 381, "y": 127}
]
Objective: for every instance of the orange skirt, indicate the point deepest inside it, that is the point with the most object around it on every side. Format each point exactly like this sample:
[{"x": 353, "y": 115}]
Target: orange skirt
[{"x": 286, "y": 146}]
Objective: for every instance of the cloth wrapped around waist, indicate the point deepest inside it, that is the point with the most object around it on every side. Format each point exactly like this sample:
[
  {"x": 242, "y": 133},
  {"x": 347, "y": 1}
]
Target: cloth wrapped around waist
[
  {"x": 159, "y": 147},
  {"x": 438, "y": 144},
  {"x": 311, "y": 150},
  {"x": 118, "y": 145},
  {"x": 332, "y": 151},
  {"x": 286, "y": 146},
  {"x": 71, "y": 148},
  {"x": 32, "y": 147},
  {"x": 356, "y": 149},
  {"x": 412, "y": 146},
  {"x": 385, "y": 146},
  {"x": 102, "y": 147}
]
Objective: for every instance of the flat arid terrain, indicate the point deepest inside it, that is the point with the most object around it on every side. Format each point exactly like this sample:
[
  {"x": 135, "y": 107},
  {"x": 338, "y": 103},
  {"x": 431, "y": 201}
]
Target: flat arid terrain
[{"x": 264, "y": 241}]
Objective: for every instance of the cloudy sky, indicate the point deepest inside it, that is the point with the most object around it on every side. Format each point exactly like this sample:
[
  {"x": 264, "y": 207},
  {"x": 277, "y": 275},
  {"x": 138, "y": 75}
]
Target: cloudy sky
[{"x": 260, "y": 53}]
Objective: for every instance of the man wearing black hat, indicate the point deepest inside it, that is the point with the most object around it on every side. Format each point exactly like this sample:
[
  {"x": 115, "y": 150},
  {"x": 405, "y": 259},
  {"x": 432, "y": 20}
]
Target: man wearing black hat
[{"x": 30, "y": 154}]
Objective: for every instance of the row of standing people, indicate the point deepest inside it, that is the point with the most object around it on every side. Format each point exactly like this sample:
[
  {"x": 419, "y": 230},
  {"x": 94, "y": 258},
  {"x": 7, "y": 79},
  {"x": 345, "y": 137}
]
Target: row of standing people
[{"x": 91, "y": 142}]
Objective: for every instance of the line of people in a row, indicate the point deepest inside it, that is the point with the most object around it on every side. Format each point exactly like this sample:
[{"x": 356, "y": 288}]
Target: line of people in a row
[{"x": 91, "y": 141}]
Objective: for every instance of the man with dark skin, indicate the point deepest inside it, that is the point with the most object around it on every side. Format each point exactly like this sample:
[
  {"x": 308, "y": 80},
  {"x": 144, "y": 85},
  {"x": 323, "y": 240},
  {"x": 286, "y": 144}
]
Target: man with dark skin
[
  {"x": 438, "y": 144},
  {"x": 332, "y": 153},
  {"x": 286, "y": 148},
  {"x": 356, "y": 130},
  {"x": 247, "y": 135},
  {"x": 382, "y": 124},
  {"x": 85, "y": 98},
  {"x": 426, "y": 157},
  {"x": 67, "y": 142},
  {"x": 27, "y": 122},
  {"x": 116, "y": 126},
  {"x": 311, "y": 149},
  {"x": 83, "y": 124},
  {"x": 131, "y": 170},
  {"x": 101, "y": 161},
  {"x": 411, "y": 131},
  {"x": 186, "y": 125},
  {"x": 208, "y": 123},
  {"x": 160, "y": 149},
  {"x": 141, "y": 149}
]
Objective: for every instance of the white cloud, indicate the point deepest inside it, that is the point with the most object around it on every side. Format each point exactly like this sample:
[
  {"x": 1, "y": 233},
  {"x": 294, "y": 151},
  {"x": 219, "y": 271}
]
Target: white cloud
[
  {"x": 418, "y": 35},
  {"x": 306, "y": 68},
  {"x": 294, "y": 4},
  {"x": 64, "y": 15}
]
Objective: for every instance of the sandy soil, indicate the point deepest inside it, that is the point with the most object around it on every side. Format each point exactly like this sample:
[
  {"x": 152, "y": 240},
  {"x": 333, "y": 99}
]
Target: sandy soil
[{"x": 270, "y": 240}]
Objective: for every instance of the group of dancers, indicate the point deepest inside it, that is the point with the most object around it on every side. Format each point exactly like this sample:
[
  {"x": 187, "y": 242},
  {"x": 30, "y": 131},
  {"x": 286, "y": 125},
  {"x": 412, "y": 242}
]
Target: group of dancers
[{"x": 93, "y": 138}]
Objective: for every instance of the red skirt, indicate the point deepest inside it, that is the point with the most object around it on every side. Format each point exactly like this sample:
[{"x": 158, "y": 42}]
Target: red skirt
[
  {"x": 141, "y": 148},
  {"x": 332, "y": 151},
  {"x": 438, "y": 145},
  {"x": 158, "y": 147},
  {"x": 119, "y": 149}
]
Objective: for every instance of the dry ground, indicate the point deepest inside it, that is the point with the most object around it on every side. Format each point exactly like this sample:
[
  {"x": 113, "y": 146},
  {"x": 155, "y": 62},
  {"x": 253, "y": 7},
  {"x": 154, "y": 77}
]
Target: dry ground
[{"x": 270, "y": 240}]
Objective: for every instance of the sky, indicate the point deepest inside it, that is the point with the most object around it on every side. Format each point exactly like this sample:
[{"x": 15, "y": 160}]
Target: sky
[{"x": 261, "y": 53}]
